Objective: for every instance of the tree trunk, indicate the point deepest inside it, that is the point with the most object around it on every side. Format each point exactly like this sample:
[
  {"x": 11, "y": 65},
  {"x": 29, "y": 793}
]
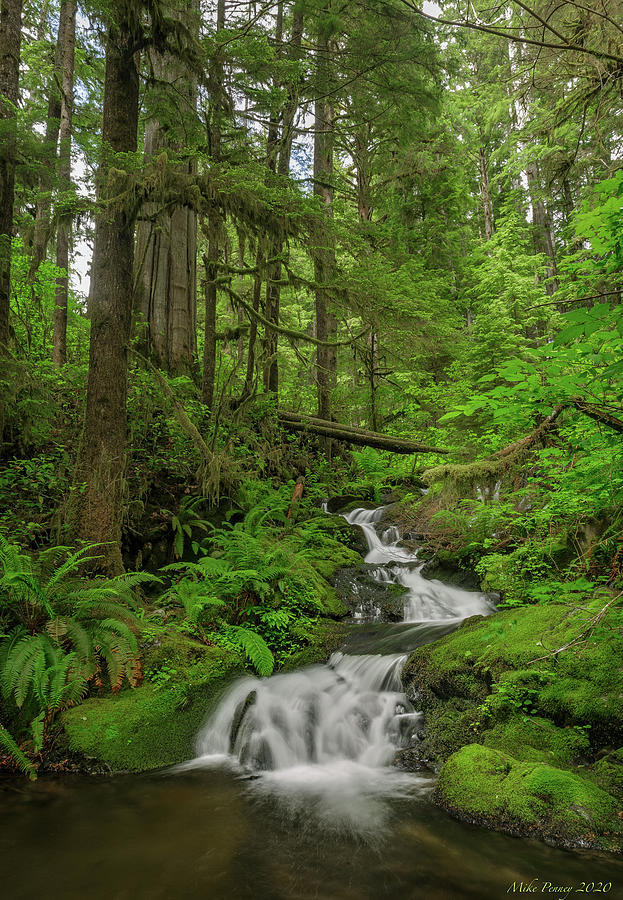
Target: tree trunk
[
  {"x": 352, "y": 435},
  {"x": 324, "y": 264},
  {"x": 485, "y": 193},
  {"x": 273, "y": 270},
  {"x": 166, "y": 253},
  {"x": 541, "y": 226},
  {"x": 210, "y": 261},
  {"x": 257, "y": 294},
  {"x": 59, "y": 351},
  {"x": 10, "y": 42},
  {"x": 41, "y": 234},
  {"x": 95, "y": 510},
  {"x": 215, "y": 88}
]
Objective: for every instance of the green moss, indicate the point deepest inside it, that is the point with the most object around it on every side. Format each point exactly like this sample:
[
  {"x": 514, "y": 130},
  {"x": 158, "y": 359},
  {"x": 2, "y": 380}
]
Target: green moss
[
  {"x": 608, "y": 773},
  {"x": 324, "y": 637},
  {"x": 534, "y": 739},
  {"x": 329, "y": 603},
  {"x": 154, "y": 725},
  {"x": 491, "y": 788},
  {"x": 340, "y": 556},
  {"x": 579, "y": 686},
  {"x": 449, "y": 726}
]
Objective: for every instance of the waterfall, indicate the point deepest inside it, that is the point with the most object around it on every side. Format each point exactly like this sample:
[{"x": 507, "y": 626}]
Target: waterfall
[
  {"x": 351, "y": 709},
  {"x": 350, "y": 715},
  {"x": 426, "y": 600}
]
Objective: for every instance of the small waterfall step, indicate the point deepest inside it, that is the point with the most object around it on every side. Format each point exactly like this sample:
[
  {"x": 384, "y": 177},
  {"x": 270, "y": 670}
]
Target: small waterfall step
[
  {"x": 353, "y": 709},
  {"x": 425, "y": 600}
]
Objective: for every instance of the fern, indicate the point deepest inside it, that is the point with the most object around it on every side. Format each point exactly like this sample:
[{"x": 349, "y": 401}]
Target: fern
[
  {"x": 195, "y": 596},
  {"x": 38, "y": 674},
  {"x": 254, "y": 646},
  {"x": 10, "y": 746},
  {"x": 62, "y": 632}
]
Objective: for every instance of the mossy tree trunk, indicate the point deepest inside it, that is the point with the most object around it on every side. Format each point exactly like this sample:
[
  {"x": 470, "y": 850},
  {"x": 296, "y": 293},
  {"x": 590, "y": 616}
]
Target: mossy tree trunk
[
  {"x": 10, "y": 42},
  {"x": 41, "y": 231},
  {"x": 282, "y": 146},
  {"x": 213, "y": 229},
  {"x": 67, "y": 26},
  {"x": 95, "y": 510},
  {"x": 324, "y": 266},
  {"x": 166, "y": 257}
]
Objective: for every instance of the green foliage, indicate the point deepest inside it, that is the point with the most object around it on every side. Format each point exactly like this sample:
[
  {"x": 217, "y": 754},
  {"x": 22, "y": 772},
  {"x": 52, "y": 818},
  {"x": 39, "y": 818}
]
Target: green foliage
[
  {"x": 10, "y": 746},
  {"x": 61, "y": 633},
  {"x": 185, "y": 523},
  {"x": 263, "y": 575},
  {"x": 255, "y": 647}
]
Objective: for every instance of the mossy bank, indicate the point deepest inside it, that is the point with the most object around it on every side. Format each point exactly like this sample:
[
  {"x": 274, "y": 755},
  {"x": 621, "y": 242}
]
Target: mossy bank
[
  {"x": 155, "y": 725},
  {"x": 527, "y": 740}
]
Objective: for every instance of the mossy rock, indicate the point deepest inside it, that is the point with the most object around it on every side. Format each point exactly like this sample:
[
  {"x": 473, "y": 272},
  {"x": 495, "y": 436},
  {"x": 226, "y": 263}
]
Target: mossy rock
[
  {"x": 490, "y": 788},
  {"x": 347, "y": 502},
  {"x": 367, "y": 598},
  {"x": 608, "y": 773},
  {"x": 348, "y": 535},
  {"x": 153, "y": 725},
  {"x": 576, "y": 687},
  {"x": 449, "y": 726},
  {"x": 534, "y": 739},
  {"x": 324, "y": 637},
  {"x": 452, "y": 567}
]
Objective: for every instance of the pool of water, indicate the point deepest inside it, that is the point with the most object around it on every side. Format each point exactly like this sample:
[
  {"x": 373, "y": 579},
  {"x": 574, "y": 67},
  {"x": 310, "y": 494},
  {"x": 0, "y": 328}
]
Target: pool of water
[{"x": 212, "y": 833}]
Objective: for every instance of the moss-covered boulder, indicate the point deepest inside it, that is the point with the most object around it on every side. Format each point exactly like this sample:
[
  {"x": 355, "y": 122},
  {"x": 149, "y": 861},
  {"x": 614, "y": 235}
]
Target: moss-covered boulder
[
  {"x": 490, "y": 788},
  {"x": 368, "y": 599},
  {"x": 322, "y": 638},
  {"x": 153, "y": 725},
  {"x": 536, "y": 691},
  {"x": 507, "y": 661}
]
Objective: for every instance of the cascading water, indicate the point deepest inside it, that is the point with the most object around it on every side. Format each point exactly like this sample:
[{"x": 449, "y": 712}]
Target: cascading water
[
  {"x": 351, "y": 709},
  {"x": 344, "y": 720},
  {"x": 425, "y": 600}
]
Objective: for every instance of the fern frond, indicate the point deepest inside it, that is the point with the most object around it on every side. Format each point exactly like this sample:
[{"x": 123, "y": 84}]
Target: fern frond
[
  {"x": 9, "y": 744},
  {"x": 114, "y": 626},
  {"x": 255, "y": 648},
  {"x": 71, "y": 565}
]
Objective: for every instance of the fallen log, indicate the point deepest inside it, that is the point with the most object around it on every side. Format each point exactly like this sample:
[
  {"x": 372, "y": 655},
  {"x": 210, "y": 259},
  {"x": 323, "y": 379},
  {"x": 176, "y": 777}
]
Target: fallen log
[
  {"x": 353, "y": 435},
  {"x": 597, "y": 414}
]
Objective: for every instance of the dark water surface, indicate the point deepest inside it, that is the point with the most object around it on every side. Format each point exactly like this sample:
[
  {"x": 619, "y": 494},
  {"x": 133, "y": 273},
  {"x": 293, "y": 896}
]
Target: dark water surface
[{"x": 214, "y": 834}]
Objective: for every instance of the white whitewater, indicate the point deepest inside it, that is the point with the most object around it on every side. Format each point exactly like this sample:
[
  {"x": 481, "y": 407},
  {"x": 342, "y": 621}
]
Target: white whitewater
[
  {"x": 426, "y": 600},
  {"x": 351, "y": 709},
  {"x": 324, "y": 737}
]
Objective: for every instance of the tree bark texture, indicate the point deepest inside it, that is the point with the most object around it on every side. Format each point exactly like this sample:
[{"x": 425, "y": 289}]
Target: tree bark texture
[
  {"x": 63, "y": 231},
  {"x": 10, "y": 42},
  {"x": 324, "y": 265},
  {"x": 95, "y": 510},
  {"x": 485, "y": 193},
  {"x": 256, "y": 298},
  {"x": 272, "y": 300},
  {"x": 542, "y": 228},
  {"x": 215, "y": 88},
  {"x": 166, "y": 257},
  {"x": 41, "y": 233},
  {"x": 210, "y": 261}
]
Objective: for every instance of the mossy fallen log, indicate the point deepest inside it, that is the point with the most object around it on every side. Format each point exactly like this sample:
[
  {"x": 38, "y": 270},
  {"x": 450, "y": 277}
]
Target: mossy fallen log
[{"x": 352, "y": 434}]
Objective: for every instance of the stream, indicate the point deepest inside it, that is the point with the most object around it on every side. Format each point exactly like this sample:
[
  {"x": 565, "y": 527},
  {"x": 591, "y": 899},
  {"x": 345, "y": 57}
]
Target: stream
[{"x": 292, "y": 793}]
